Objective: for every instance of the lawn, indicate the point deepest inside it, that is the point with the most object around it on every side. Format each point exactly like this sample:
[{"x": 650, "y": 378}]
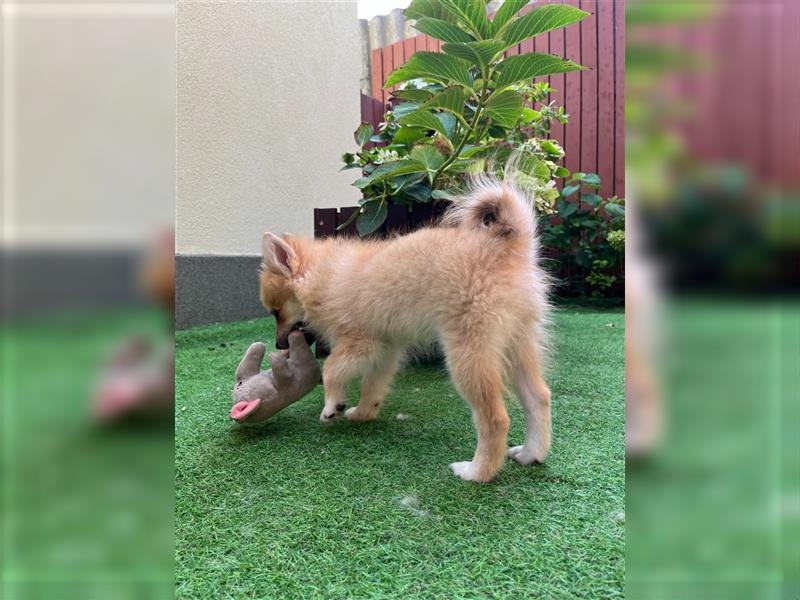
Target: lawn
[
  {"x": 295, "y": 509},
  {"x": 87, "y": 510}
]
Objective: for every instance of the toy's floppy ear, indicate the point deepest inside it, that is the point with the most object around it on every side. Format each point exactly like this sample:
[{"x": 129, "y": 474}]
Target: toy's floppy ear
[
  {"x": 279, "y": 257},
  {"x": 251, "y": 363}
]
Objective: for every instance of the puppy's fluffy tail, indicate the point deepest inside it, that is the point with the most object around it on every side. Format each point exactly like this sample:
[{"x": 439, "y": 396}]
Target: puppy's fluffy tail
[{"x": 499, "y": 208}]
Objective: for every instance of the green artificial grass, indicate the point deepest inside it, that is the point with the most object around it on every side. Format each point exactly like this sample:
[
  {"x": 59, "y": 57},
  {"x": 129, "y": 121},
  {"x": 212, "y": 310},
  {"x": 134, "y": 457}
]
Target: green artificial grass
[
  {"x": 87, "y": 509},
  {"x": 293, "y": 508}
]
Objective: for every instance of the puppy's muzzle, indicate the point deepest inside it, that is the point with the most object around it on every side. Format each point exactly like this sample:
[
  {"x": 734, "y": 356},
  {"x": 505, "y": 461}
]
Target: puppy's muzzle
[{"x": 282, "y": 342}]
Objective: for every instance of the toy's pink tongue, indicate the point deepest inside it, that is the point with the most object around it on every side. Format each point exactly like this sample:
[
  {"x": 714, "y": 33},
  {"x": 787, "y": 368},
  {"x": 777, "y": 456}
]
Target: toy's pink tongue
[
  {"x": 117, "y": 396},
  {"x": 242, "y": 410}
]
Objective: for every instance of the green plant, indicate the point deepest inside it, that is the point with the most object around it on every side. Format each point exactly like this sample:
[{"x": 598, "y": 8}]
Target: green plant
[
  {"x": 588, "y": 232},
  {"x": 464, "y": 110},
  {"x": 616, "y": 239},
  {"x": 599, "y": 279}
]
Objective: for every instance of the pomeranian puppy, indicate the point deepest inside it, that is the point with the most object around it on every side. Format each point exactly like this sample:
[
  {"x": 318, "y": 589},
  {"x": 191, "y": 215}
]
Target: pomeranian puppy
[{"x": 473, "y": 283}]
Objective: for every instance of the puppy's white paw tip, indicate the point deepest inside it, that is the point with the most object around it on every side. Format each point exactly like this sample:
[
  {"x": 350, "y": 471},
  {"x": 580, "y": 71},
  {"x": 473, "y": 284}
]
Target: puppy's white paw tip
[
  {"x": 353, "y": 414},
  {"x": 525, "y": 456},
  {"x": 465, "y": 470}
]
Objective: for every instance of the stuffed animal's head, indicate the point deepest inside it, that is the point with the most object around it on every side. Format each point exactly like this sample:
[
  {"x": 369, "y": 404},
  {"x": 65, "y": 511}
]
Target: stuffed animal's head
[{"x": 253, "y": 385}]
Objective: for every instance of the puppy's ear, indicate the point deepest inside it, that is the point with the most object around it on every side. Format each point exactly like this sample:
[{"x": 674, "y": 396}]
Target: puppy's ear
[{"x": 279, "y": 257}]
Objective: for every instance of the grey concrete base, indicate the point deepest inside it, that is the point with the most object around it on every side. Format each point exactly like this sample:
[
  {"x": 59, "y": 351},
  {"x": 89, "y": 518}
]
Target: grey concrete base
[
  {"x": 46, "y": 280},
  {"x": 216, "y": 289}
]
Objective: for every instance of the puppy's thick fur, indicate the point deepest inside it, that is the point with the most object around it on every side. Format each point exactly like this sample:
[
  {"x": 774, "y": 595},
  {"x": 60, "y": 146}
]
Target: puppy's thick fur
[{"x": 472, "y": 283}]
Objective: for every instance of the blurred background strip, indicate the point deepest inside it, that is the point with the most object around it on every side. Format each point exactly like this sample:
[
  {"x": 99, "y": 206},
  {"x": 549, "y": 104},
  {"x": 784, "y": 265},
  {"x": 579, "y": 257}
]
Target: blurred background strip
[{"x": 87, "y": 271}]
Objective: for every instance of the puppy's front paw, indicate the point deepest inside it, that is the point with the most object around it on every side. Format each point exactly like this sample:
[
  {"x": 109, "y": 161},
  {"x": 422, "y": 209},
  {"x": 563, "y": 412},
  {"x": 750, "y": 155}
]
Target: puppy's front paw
[
  {"x": 467, "y": 470},
  {"x": 527, "y": 456},
  {"x": 329, "y": 415},
  {"x": 353, "y": 414}
]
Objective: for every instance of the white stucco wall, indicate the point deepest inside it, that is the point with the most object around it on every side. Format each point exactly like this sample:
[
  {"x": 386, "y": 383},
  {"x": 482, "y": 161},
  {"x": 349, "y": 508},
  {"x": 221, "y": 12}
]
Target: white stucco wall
[
  {"x": 88, "y": 123},
  {"x": 267, "y": 100}
]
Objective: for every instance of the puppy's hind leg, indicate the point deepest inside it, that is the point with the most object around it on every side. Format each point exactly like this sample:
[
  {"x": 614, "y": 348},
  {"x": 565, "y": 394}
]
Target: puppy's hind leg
[
  {"x": 375, "y": 385},
  {"x": 478, "y": 376},
  {"x": 534, "y": 395}
]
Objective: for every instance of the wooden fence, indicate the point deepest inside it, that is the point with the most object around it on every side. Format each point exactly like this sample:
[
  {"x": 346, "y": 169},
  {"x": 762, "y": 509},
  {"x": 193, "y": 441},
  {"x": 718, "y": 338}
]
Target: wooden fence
[
  {"x": 594, "y": 139},
  {"x": 737, "y": 98}
]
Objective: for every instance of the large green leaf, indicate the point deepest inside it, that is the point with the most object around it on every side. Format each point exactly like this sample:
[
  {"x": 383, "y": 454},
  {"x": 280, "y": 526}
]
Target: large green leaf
[
  {"x": 592, "y": 200},
  {"x": 451, "y": 99},
  {"x": 413, "y": 95},
  {"x": 421, "y": 192},
  {"x": 441, "y": 195},
  {"x": 479, "y": 54},
  {"x": 428, "y": 156},
  {"x": 592, "y": 179},
  {"x": 408, "y": 135},
  {"x": 527, "y": 66},
  {"x": 469, "y": 151},
  {"x": 473, "y": 14},
  {"x": 565, "y": 209},
  {"x": 404, "y": 108},
  {"x": 505, "y": 13},
  {"x": 362, "y": 134},
  {"x": 561, "y": 172},
  {"x": 387, "y": 170},
  {"x": 542, "y": 19},
  {"x": 551, "y": 147},
  {"x": 442, "y": 30},
  {"x": 448, "y": 122},
  {"x": 432, "y": 65},
  {"x": 542, "y": 171},
  {"x": 373, "y": 215},
  {"x": 505, "y": 107},
  {"x": 569, "y": 190},
  {"x": 402, "y": 182},
  {"x": 473, "y": 166},
  {"x": 429, "y": 8},
  {"x": 423, "y": 118}
]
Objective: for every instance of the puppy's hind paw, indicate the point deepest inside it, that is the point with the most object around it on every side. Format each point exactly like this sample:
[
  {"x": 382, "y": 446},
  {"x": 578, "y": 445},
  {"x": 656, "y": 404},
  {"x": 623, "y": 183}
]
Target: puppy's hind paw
[
  {"x": 526, "y": 456},
  {"x": 353, "y": 414}
]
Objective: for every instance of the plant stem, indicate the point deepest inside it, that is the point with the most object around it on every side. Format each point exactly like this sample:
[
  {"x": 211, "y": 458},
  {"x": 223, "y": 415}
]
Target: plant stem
[{"x": 470, "y": 130}]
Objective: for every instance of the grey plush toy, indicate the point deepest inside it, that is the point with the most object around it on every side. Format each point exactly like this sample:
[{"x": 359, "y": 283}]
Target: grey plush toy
[{"x": 259, "y": 394}]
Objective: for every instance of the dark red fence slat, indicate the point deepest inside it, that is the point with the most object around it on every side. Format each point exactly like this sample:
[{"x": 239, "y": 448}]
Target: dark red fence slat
[
  {"x": 605, "y": 101},
  {"x": 420, "y": 43},
  {"x": 325, "y": 221},
  {"x": 372, "y": 111},
  {"x": 789, "y": 130},
  {"x": 557, "y": 82},
  {"x": 397, "y": 55},
  {"x": 432, "y": 44},
  {"x": 397, "y": 218},
  {"x": 619, "y": 98},
  {"x": 388, "y": 67},
  {"x": 572, "y": 99},
  {"x": 408, "y": 49},
  {"x": 376, "y": 73},
  {"x": 588, "y": 30}
]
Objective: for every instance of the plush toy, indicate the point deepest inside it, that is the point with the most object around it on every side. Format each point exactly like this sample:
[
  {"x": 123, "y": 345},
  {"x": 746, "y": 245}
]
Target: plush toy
[{"x": 259, "y": 394}]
